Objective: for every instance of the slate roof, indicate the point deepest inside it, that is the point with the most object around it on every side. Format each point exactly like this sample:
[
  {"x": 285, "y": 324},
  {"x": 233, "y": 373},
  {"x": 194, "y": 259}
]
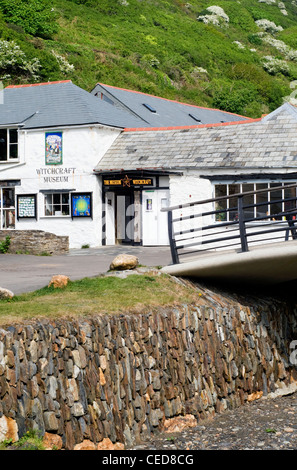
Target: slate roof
[
  {"x": 55, "y": 104},
  {"x": 62, "y": 103},
  {"x": 270, "y": 142},
  {"x": 167, "y": 112}
]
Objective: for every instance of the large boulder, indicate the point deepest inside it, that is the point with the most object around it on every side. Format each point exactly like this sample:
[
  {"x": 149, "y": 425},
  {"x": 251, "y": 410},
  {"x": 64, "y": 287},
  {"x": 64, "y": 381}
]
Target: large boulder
[{"x": 122, "y": 262}]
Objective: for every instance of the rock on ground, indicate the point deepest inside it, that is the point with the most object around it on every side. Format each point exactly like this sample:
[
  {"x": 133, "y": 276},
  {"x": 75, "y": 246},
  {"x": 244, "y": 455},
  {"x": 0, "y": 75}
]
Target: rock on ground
[
  {"x": 122, "y": 262},
  {"x": 52, "y": 441},
  {"x": 105, "y": 444},
  {"x": 5, "y": 293},
  {"x": 59, "y": 281}
]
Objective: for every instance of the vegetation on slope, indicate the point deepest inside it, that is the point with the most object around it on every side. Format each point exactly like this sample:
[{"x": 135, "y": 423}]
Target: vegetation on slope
[{"x": 238, "y": 56}]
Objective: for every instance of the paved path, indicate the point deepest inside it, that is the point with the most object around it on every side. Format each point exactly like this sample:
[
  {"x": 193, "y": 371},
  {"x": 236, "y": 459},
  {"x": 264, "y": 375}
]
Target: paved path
[{"x": 26, "y": 273}]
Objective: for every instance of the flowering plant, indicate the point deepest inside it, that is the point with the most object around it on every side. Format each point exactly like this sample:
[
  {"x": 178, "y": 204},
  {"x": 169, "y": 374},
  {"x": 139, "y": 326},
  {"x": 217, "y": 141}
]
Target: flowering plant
[{"x": 14, "y": 61}]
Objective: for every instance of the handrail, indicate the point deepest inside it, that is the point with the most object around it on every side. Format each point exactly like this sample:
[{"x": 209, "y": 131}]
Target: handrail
[
  {"x": 247, "y": 227},
  {"x": 215, "y": 199}
]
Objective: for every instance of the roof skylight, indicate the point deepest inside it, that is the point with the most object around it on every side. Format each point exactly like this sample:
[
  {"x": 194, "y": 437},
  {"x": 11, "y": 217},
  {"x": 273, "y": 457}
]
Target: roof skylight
[
  {"x": 149, "y": 107},
  {"x": 194, "y": 117}
]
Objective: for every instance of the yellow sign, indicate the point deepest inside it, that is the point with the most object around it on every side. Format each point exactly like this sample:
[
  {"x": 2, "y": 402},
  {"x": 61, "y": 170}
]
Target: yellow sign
[
  {"x": 142, "y": 181},
  {"x": 113, "y": 182},
  {"x": 127, "y": 182}
]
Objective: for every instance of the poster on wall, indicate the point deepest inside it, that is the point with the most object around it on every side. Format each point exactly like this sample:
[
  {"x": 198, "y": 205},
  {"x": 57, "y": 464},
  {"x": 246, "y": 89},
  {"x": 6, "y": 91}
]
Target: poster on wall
[
  {"x": 26, "y": 206},
  {"x": 53, "y": 148},
  {"x": 81, "y": 204}
]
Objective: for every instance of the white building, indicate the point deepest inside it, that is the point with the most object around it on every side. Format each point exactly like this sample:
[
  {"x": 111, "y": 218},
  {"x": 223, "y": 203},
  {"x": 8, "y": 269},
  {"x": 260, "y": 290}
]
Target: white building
[
  {"x": 52, "y": 136},
  {"x": 195, "y": 163},
  {"x": 98, "y": 167}
]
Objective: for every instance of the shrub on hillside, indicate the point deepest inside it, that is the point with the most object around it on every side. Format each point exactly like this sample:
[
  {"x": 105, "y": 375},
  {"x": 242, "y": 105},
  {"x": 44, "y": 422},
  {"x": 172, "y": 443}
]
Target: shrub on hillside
[
  {"x": 36, "y": 17},
  {"x": 14, "y": 62}
]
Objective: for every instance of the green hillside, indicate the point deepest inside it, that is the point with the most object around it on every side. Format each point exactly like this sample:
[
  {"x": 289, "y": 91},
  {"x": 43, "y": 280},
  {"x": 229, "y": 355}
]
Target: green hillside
[{"x": 240, "y": 56}]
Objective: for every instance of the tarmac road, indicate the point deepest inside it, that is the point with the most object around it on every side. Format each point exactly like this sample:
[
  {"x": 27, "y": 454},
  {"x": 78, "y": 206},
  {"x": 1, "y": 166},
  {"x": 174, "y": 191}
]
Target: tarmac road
[{"x": 26, "y": 273}]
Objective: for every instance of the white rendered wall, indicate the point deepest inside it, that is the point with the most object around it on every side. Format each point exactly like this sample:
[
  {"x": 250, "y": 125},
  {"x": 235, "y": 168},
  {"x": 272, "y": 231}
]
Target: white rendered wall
[
  {"x": 82, "y": 149},
  {"x": 189, "y": 187},
  {"x": 186, "y": 189}
]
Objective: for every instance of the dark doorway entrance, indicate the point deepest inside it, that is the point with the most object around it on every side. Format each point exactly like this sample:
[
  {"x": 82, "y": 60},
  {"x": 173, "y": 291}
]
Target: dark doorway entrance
[{"x": 124, "y": 217}]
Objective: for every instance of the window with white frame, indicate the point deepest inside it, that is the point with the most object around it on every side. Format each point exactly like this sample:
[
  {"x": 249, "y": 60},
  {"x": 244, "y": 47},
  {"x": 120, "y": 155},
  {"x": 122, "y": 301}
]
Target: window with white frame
[
  {"x": 7, "y": 208},
  {"x": 8, "y": 145},
  {"x": 56, "y": 204},
  {"x": 262, "y": 199}
]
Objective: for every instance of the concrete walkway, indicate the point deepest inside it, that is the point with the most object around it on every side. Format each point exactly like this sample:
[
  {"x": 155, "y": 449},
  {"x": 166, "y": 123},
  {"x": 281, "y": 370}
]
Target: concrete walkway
[{"x": 26, "y": 273}]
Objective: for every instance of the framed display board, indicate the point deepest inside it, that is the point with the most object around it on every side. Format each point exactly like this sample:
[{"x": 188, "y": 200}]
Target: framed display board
[
  {"x": 81, "y": 205},
  {"x": 26, "y": 206}
]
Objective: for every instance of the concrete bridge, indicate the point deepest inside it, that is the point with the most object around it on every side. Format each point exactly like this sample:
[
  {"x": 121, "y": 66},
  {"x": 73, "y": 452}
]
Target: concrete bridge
[{"x": 226, "y": 239}]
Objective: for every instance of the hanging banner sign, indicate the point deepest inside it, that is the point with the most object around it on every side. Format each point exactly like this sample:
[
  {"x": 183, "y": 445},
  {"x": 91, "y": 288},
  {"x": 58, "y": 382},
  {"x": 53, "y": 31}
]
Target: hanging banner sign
[{"x": 53, "y": 148}]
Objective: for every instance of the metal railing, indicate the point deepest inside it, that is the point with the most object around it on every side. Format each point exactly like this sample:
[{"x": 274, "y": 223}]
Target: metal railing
[{"x": 205, "y": 226}]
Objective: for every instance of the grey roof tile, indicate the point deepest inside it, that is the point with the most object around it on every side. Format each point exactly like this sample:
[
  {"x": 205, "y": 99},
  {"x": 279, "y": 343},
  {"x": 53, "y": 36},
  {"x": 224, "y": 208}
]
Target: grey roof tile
[{"x": 258, "y": 144}]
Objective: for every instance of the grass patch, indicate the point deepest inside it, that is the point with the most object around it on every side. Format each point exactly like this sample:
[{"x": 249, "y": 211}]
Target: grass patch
[
  {"x": 32, "y": 440},
  {"x": 91, "y": 296}
]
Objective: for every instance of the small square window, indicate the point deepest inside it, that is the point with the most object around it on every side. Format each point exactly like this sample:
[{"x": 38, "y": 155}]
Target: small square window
[
  {"x": 56, "y": 204},
  {"x": 8, "y": 144}
]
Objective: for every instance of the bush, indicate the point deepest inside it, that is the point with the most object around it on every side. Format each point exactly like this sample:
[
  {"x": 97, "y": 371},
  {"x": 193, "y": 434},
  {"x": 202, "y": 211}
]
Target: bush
[
  {"x": 233, "y": 96},
  {"x": 32, "y": 440},
  {"x": 4, "y": 245},
  {"x": 13, "y": 61},
  {"x": 255, "y": 39},
  {"x": 36, "y": 17}
]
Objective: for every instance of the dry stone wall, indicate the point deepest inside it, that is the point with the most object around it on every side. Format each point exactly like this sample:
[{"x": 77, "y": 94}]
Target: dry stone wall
[
  {"x": 35, "y": 242},
  {"x": 123, "y": 377}
]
